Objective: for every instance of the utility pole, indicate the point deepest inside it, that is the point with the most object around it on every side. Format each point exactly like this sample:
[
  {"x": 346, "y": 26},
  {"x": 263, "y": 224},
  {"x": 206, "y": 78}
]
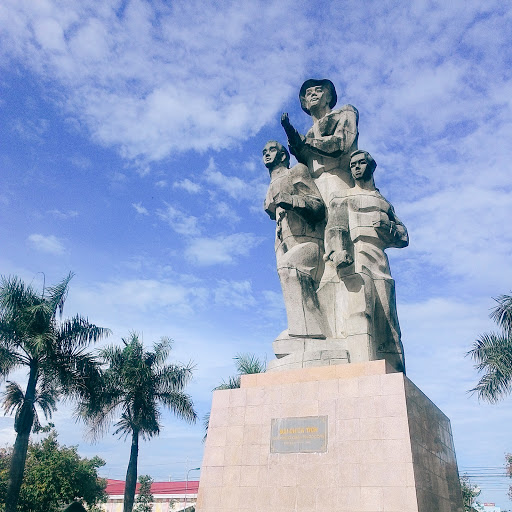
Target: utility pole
[{"x": 186, "y": 487}]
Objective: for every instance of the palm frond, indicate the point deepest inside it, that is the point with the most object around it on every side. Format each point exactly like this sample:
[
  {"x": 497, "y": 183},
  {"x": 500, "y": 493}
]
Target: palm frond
[
  {"x": 112, "y": 355},
  {"x": 13, "y": 397},
  {"x": 492, "y": 353},
  {"x": 9, "y": 361},
  {"x": 98, "y": 415},
  {"x": 174, "y": 376},
  {"x": 78, "y": 331},
  {"x": 492, "y": 386},
  {"x": 46, "y": 398},
  {"x": 161, "y": 350},
  {"x": 247, "y": 364},
  {"x": 15, "y": 295},
  {"x": 180, "y": 404},
  {"x": 56, "y": 295},
  {"x": 206, "y": 425},
  {"x": 232, "y": 383},
  {"x": 492, "y": 349},
  {"x": 135, "y": 383},
  {"x": 502, "y": 313}
]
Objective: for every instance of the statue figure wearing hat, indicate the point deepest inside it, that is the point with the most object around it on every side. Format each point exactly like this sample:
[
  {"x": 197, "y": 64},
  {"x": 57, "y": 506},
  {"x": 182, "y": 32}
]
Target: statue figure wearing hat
[
  {"x": 327, "y": 145},
  {"x": 355, "y": 305},
  {"x": 326, "y": 150}
]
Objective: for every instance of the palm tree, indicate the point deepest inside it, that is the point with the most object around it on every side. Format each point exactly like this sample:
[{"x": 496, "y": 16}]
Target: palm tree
[
  {"x": 33, "y": 335},
  {"x": 492, "y": 353},
  {"x": 134, "y": 384},
  {"x": 246, "y": 364}
]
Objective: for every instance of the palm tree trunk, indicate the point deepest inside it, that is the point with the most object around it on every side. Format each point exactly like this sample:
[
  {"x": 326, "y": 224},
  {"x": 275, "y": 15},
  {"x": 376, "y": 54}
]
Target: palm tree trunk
[
  {"x": 23, "y": 426},
  {"x": 131, "y": 474}
]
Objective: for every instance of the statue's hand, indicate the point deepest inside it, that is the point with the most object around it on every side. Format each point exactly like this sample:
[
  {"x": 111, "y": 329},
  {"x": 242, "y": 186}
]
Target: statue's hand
[
  {"x": 386, "y": 228},
  {"x": 285, "y": 120}
]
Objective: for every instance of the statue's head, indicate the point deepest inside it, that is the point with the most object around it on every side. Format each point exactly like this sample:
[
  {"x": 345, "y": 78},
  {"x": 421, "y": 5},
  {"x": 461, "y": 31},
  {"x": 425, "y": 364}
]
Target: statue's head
[
  {"x": 362, "y": 165},
  {"x": 275, "y": 155},
  {"x": 315, "y": 91}
]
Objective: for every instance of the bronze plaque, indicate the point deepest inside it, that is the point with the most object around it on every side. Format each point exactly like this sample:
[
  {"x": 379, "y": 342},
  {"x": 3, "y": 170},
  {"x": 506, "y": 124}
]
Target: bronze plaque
[{"x": 299, "y": 435}]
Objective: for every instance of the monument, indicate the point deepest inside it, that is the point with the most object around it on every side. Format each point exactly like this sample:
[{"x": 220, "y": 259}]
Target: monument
[{"x": 334, "y": 424}]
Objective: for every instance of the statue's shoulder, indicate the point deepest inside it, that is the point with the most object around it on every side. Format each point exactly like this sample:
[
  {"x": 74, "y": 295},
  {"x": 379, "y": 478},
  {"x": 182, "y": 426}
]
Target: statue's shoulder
[
  {"x": 300, "y": 170},
  {"x": 347, "y": 111},
  {"x": 347, "y": 108}
]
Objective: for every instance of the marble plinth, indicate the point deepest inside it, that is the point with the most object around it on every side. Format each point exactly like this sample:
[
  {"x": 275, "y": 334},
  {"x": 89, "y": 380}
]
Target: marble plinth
[{"x": 387, "y": 447}]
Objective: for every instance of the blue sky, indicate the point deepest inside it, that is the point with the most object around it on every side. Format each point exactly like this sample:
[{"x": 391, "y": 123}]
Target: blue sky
[{"x": 130, "y": 149}]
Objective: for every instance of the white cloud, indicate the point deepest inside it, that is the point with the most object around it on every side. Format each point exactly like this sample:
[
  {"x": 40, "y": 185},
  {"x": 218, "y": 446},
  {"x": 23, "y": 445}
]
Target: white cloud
[
  {"x": 81, "y": 162},
  {"x": 161, "y": 184},
  {"x": 179, "y": 221},
  {"x": 188, "y": 185},
  {"x": 128, "y": 76},
  {"x": 63, "y": 215},
  {"x": 237, "y": 294},
  {"x": 221, "y": 249},
  {"x": 274, "y": 303},
  {"x": 142, "y": 295},
  {"x": 461, "y": 230},
  {"x": 251, "y": 165},
  {"x": 140, "y": 209},
  {"x": 49, "y": 244},
  {"x": 253, "y": 190},
  {"x": 31, "y": 130},
  {"x": 225, "y": 211}
]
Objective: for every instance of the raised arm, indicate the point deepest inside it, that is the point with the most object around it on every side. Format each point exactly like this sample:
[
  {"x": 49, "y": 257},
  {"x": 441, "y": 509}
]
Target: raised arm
[{"x": 295, "y": 139}]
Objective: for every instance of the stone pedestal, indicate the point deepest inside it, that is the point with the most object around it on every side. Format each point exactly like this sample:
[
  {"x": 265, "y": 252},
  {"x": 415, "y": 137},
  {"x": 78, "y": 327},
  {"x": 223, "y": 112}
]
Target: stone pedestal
[{"x": 350, "y": 437}]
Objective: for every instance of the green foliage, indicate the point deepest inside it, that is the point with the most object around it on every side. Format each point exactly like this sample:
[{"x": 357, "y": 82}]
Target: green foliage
[
  {"x": 508, "y": 469},
  {"x": 246, "y": 364},
  {"x": 145, "y": 498},
  {"x": 54, "y": 476},
  {"x": 492, "y": 353},
  {"x": 133, "y": 387},
  {"x": 469, "y": 494},
  {"x": 33, "y": 335}
]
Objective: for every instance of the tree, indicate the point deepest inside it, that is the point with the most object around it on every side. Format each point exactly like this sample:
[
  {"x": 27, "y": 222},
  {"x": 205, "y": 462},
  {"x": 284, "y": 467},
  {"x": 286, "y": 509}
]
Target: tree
[
  {"x": 33, "y": 335},
  {"x": 492, "y": 353},
  {"x": 469, "y": 494},
  {"x": 54, "y": 476},
  {"x": 246, "y": 364},
  {"x": 508, "y": 469},
  {"x": 145, "y": 498},
  {"x": 135, "y": 383}
]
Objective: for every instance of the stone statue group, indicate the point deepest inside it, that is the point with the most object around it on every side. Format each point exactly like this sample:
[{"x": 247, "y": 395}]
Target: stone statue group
[{"x": 332, "y": 228}]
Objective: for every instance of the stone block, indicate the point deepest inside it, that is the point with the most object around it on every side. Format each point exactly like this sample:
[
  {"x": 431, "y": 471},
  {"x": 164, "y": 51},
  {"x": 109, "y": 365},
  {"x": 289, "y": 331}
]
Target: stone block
[{"x": 389, "y": 448}]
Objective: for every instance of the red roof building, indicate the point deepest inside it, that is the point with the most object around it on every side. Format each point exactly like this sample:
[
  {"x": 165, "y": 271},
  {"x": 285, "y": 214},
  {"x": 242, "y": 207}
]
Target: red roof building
[{"x": 168, "y": 496}]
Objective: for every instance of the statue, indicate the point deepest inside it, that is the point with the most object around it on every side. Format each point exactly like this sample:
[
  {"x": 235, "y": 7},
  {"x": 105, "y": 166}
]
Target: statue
[
  {"x": 327, "y": 145},
  {"x": 325, "y": 150},
  {"x": 343, "y": 310},
  {"x": 374, "y": 227},
  {"x": 294, "y": 202}
]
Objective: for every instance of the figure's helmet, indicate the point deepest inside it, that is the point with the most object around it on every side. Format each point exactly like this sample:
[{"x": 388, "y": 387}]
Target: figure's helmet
[{"x": 313, "y": 82}]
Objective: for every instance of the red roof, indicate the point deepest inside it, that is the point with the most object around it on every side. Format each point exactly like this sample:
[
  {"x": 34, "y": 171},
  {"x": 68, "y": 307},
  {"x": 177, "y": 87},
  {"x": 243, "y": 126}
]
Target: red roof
[{"x": 116, "y": 487}]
